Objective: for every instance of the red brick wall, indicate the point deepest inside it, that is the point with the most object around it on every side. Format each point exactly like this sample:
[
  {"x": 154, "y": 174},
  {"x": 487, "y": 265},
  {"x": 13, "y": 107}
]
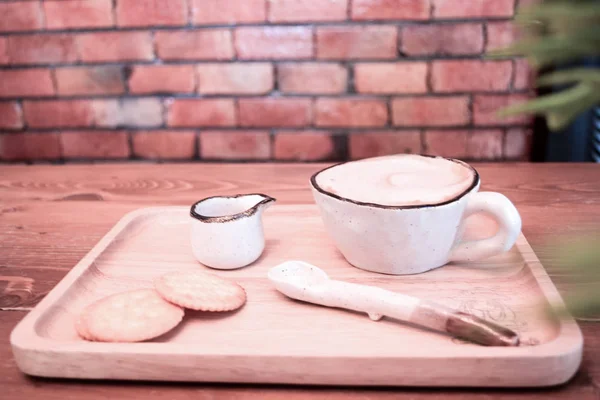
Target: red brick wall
[{"x": 257, "y": 79}]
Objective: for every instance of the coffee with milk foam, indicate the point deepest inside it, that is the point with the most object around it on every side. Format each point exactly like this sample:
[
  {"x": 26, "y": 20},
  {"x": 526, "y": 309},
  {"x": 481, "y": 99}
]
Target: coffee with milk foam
[{"x": 399, "y": 180}]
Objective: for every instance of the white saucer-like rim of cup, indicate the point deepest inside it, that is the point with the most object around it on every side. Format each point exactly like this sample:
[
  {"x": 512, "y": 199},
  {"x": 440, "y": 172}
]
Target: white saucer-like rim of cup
[
  {"x": 232, "y": 217},
  {"x": 476, "y": 179}
]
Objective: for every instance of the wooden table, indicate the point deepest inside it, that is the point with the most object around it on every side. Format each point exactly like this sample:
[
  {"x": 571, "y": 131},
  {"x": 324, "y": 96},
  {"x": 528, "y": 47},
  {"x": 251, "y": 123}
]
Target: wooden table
[{"x": 50, "y": 216}]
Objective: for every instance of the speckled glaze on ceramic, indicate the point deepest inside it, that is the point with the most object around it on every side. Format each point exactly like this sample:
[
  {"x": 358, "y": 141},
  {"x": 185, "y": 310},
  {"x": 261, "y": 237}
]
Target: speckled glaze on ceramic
[
  {"x": 402, "y": 240},
  {"x": 303, "y": 281},
  {"x": 227, "y": 232}
]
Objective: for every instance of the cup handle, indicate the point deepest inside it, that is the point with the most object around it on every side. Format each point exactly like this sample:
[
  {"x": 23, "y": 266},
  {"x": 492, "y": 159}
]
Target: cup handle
[{"x": 504, "y": 212}]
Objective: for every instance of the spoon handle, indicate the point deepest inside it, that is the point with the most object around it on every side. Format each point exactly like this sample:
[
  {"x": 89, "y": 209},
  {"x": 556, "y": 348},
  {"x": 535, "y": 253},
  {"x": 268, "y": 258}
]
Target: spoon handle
[
  {"x": 377, "y": 302},
  {"x": 462, "y": 325}
]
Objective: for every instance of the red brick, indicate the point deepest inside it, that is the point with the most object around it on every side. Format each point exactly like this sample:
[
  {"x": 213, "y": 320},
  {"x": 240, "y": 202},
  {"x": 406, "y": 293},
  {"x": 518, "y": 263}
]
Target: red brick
[
  {"x": 162, "y": 79},
  {"x": 357, "y": 42},
  {"x": 26, "y": 82},
  {"x": 213, "y": 44},
  {"x": 307, "y": 10},
  {"x": 470, "y": 75},
  {"x": 390, "y": 9},
  {"x": 274, "y": 42},
  {"x": 517, "y": 144},
  {"x": 239, "y": 78},
  {"x": 350, "y": 112},
  {"x": 235, "y": 145},
  {"x": 486, "y": 107},
  {"x": 94, "y": 145},
  {"x": 151, "y": 12},
  {"x": 146, "y": 112},
  {"x": 524, "y": 74},
  {"x": 317, "y": 78},
  {"x": 164, "y": 145},
  {"x": 446, "y": 39},
  {"x": 39, "y": 49},
  {"x": 29, "y": 146},
  {"x": 20, "y": 16},
  {"x": 4, "y": 57},
  {"x": 485, "y": 145},
  {"x": 115, "y": 46},
  {"x": 100, "y": 113},
  {"x": 501, "y": 35},
  {"x": 201, "y": 112},
  {"x": 89, "y": 80},
  {"x": 62, "y": 14},
  {"x": 402, "y": 77},
  {"x": 446, "y": 143},
  {"x": 11, "y": 116},
  {"x": 431, "y": 111},
  {"x": 472, "y": 8},
  {"x": 58, "y": 113},
  {"x": 275, "y": 112},
  {"x": 305, "y": 146},
  {"x": 374, "y": 144},
  {"x": 228, "y": 11}
]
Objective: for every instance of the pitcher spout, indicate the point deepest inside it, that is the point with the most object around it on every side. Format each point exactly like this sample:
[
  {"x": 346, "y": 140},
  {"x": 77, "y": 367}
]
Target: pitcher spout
[
  {"x": 230, "y": 208},
  {"x": 265, "y": 202}
]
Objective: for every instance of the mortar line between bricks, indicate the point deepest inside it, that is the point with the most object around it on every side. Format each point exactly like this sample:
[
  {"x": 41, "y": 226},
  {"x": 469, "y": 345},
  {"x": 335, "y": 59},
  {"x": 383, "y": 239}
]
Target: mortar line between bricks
[
  {"x": 313, "y": 112},
  {"x": 192, "y": 27},
  {"x": 513, "y": 74},
  {"x": 196, "y": 155},
  {"x": 432, "y": 57},
  {"x": 164, "y": 110},
  {"x": 344, "y": 130},
  {"x": 471, "y": 108},
  {"x": 485, "y": 36},
  {"x": 113, "y": 13},
  {"x": 54, "y": 80},
  {"x": 61, "y": 150},
  {"x": 276, "y": 95},
  {"x": 129, "y": 138},
  {"x": 189, "y": 13},
  {"x": 429, "y": 78},
  {"x": 236, "y": 114},
  {"x": 154, "y": 47},
  {"x": 21, "y": 113},
  {"x": 43, "y": 14},
  {"x": 271, "y": 144},
  {"x": 504, "y": 134},
  {"x": 388, "y": 106}
]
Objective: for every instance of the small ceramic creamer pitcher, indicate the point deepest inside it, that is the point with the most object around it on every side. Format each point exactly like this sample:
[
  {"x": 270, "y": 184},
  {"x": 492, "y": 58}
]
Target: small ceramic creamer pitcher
[{"x": 227, "y": 232}]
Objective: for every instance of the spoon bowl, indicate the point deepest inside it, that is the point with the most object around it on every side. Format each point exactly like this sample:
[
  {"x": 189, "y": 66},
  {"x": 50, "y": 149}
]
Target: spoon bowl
[{"x": 293, "y": 277}]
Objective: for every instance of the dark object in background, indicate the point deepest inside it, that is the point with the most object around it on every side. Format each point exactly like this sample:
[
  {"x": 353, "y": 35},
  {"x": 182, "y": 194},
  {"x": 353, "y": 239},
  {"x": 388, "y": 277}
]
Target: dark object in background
[{"x": 579, "y": 142}]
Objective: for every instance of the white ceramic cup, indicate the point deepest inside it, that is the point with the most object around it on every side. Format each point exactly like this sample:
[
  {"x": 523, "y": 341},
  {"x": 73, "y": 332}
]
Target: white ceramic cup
[
  {"x": 401, "y": 240},
  {"x": 227, "y": 232}
]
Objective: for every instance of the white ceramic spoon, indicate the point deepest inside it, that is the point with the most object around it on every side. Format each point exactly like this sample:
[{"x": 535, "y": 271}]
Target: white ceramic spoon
[{"x": 306, "y": 282}]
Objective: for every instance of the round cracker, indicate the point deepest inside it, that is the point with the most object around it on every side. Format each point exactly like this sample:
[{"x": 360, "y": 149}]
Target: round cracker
[
  {"x": 198, "y": 290},
  {"x": 81, "y": 328},
  {"x": 132, "y": 316}
]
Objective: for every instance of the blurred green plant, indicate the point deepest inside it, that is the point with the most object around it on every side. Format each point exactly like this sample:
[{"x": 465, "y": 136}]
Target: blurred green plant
[
  {"x": 578, "y": 259},
  {"x": 554, "y": 33}
]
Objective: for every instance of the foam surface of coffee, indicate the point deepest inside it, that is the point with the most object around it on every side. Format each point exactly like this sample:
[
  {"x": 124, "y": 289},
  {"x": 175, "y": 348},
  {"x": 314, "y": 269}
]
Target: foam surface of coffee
[{"x": 398, "y": 180}]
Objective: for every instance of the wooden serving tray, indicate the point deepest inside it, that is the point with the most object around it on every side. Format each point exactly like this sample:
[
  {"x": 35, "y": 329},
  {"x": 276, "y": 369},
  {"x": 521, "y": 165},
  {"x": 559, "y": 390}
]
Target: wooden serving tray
[{"x": 274, "y": 339}]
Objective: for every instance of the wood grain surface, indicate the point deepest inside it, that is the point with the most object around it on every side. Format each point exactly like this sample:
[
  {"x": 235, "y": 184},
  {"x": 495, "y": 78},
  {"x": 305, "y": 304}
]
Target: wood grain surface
[
  {"x": 273, "y": 339},
  {"x": 50, "y": 216}
]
